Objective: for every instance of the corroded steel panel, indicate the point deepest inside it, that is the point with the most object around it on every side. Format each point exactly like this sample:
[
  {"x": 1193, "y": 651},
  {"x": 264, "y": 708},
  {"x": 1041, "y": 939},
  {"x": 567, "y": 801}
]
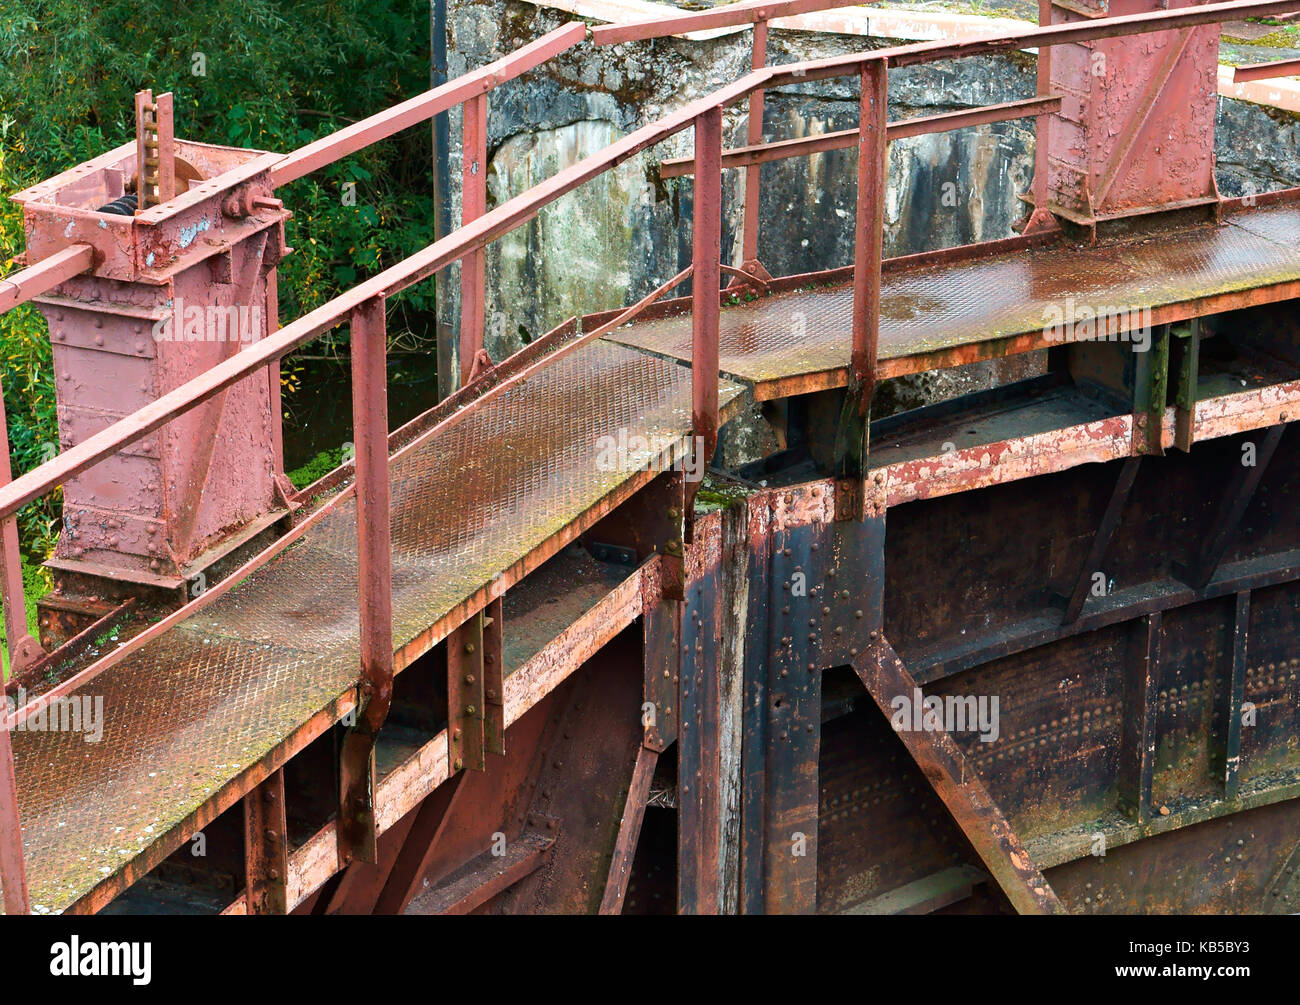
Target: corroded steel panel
[{"x": 1136, "y": 126}]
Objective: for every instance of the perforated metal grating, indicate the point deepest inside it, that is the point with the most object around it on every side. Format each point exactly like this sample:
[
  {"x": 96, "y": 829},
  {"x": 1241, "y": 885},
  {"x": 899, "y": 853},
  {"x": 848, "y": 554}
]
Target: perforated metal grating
[
  {"x": 210, "y": 698},
  {"x": 940, "y": 306}
]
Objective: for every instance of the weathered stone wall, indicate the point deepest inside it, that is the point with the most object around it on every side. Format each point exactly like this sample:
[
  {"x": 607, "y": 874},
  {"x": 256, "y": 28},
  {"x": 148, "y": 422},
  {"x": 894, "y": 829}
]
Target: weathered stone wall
[
  {"x": 623, "y": 234},
  {"x": 618, "y": 237}
]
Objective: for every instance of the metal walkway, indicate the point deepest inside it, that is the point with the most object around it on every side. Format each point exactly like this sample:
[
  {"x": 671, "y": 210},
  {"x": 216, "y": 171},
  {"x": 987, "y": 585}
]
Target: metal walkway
[
  {"x": 192, "y": 710},
  {"x": 189, "y": 712},
  {"x": 930, "y": 308}
]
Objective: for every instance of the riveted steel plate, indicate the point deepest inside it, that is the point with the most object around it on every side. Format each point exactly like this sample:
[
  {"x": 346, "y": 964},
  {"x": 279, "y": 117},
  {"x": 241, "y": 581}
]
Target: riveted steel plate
[
  {"x": 192, "y": 710},
  {"x": 941, "y": 306}
]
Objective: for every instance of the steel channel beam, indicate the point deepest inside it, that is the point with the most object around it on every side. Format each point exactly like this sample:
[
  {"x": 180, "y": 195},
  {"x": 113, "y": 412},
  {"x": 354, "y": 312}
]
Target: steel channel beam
[
  {"x": 1265, "y": 71},
  {"x": 629, "y": 831},
  {"x": 960, "y": 788},
  {"x": 1137, "y": 755},
  {"x": 467, "y": 743},
  {"x": 266, "y": 848},
  {"x": 698, "y": 751},
  {"x": 26, "y": 284}
]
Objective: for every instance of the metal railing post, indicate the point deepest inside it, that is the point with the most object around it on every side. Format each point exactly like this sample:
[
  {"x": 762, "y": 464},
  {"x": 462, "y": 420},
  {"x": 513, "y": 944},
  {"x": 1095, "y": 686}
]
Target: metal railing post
[
  {"x": 705, "y": 281},
  {"x": 868, "y": 251},
  {"x": 23, "y": 649},
  {"x": 13, "y": 868},
  {"x": 754, "y": 136},
  {"x": 357, "y": 830},
  {"x": 868, "y": 242},
  {"x": 473, "y": 200}
]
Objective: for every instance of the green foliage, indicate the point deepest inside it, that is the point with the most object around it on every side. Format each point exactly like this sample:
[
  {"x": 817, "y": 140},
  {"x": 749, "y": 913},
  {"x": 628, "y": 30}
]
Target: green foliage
[
  {"x": 318, "y": 467},
  {"x": 36, "y": 583},
  {"x": 277, "y": 74}
]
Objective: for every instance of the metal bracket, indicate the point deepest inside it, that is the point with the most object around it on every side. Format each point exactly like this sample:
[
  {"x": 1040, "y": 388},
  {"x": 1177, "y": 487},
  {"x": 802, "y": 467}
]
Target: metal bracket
[{"x": 466, "y": 735}]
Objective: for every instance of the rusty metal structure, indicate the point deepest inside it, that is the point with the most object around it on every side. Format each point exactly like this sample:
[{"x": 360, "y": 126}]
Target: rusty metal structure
[{"x": 476, "y": 669}]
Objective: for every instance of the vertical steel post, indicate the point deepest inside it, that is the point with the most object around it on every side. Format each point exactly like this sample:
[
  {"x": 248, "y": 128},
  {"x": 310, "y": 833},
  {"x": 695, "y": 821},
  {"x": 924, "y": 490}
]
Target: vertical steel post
[
  {"x": 357, "y": 832},
  {"x": 755, "y": 136},
  {"x": 868, "y": 244},
  {"x": 273, "y": 385},
  {"x": 473, "y": 200},
  {"x": 13, "y": 870},
  {"x": 868, "y": 250},
  {"x": 706, "y": 276},
  {"x": 23, "y": 649},
  {"x": 1041, "y": 218}
]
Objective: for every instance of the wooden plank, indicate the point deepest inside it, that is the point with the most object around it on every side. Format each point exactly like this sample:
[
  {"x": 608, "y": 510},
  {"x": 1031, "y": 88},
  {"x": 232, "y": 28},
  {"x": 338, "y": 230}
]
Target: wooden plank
[
  {"x": 960, "y": 788},
  {"x": 924, "y": 895},
  {"x": 485, "y": 876}
]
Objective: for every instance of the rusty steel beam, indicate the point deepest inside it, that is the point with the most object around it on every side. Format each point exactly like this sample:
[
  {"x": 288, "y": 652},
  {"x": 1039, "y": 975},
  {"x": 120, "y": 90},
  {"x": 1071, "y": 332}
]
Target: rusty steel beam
[
  {"x": 1137, "y": 754},
  {"x": 13, "y": 868},
  {"x": 494, "y": 680},
  {"x": 425, "y": 106},
  {"x": 959, "y": 786},
  {"x": 21, "y": 286},
  {"x": 465, "y": 718},
  {"x": 629, "y": 831},
  {"x": 1265, "y": 71},
  {"x": 1038, "y": 37},
  {"x": 1241, "y": 489},
  {"x": 869, "y": 234},
  {"x": 473, "y": 268},
  {"x": 1102, "y": 538},
  {"x": 757, "y": 153},
  {"x": 358, "y": 832},
  {"x": 421, "y": 842},
  {"x": 754, "y": 134},
  {"x": 266, "y": 848},
  {"x": 1230, "y": 765},
  {"x": 706, "y": 280},
  {"x": 734, "y": 15}
]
